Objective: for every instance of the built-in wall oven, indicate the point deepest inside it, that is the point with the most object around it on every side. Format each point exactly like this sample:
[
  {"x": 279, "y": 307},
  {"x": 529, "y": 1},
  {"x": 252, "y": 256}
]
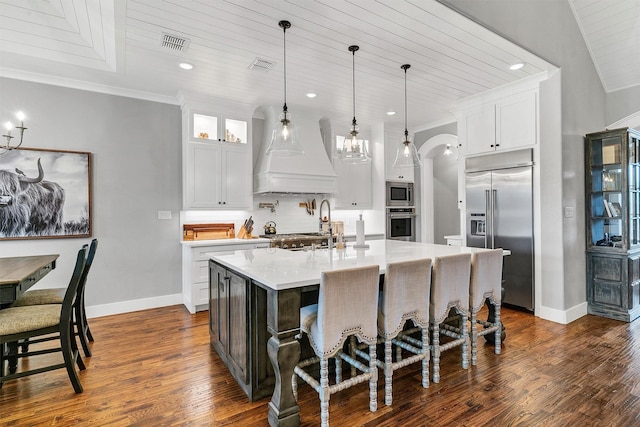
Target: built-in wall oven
[
  {"x": 399, "y": 194},
  {"x": 401, "y": 223}
]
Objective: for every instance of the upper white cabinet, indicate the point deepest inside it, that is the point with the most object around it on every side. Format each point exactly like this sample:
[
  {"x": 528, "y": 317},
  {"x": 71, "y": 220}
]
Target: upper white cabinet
[
  {"x": 353, "y": 185},
  {"x": 392, "y": 140},
  {"x": 217, "y": 165},
  {"x": 504, "y": 124},
  {"x": 217, "y": 176}
]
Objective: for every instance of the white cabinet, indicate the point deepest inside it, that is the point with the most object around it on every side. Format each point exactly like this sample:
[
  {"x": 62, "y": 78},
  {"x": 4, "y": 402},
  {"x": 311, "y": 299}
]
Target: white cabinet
[
  {"x": 508, "y": 123},
  {"x": 206, "y": 126},
  {"x": 454, "y": 240},
  {"x": 392, "y": 140},
  {"x": 195, "y": 271},
  {"x": 217, "y": 165},
  {"x": 217, "y": 176},
  {"x": 353, "y": 185}
]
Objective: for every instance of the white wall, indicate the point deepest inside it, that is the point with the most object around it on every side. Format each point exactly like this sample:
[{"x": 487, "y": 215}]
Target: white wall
[{"x": 136, "y": 159}]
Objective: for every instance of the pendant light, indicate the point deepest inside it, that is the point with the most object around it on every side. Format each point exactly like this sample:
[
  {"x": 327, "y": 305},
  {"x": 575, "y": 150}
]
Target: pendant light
[
  {"x": 354, "y": 150},
  {"x": 407, "y": 154},
  {"x": 284, "y": 140}
]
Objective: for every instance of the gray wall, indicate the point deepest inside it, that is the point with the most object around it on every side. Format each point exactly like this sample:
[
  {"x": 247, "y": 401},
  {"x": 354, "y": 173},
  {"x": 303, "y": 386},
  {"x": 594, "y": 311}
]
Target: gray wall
[
  {"x": 548, "y": 29},
  {"x": 136, "y": 148},
  {"x": 623, "y": 103}
]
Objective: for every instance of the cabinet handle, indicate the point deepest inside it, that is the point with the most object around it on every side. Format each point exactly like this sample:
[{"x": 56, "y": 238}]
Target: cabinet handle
[{"x": 497, "y": 145}]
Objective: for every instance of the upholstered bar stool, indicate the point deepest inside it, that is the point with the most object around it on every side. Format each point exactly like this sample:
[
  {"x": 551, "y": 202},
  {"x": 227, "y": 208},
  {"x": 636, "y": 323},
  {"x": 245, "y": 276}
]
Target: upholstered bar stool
[
  {"x": 405, "y": 297},
  {"x": 347, "y": 305},
  {"x": 485, "y": 285},
  {"x": 449, "y": 289}
]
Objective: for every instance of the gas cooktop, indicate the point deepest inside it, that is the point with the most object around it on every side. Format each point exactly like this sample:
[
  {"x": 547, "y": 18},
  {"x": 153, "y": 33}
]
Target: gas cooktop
[{"x": 297, "y": 241}]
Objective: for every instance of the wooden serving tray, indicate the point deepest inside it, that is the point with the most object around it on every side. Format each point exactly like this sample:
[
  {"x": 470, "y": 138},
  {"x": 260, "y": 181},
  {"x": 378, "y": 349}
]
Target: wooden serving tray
[{"x": 208, "y": 231}]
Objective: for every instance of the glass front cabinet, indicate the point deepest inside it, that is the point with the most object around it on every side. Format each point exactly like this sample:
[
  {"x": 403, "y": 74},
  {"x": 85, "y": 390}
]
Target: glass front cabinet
[{"x": 613, "y": 223}]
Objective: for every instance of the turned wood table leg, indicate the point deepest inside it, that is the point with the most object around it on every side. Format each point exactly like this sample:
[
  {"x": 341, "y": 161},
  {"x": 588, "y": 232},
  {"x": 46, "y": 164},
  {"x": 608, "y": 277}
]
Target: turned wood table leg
[{"x": 283, "y": 323}]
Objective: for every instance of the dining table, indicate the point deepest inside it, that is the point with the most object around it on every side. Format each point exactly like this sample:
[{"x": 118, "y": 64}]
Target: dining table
[{"x": 18, "y": 274}]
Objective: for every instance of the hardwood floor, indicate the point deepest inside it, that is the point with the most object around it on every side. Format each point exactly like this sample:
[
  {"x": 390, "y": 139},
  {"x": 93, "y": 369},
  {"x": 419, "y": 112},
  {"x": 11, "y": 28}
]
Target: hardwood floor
[{"x": 156, "y": 368}]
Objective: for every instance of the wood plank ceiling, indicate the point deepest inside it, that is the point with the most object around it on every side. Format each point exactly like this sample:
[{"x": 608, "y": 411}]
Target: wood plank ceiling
[
  {"x": 611, "y": 29},
  {"x": 115, "y": 46}
]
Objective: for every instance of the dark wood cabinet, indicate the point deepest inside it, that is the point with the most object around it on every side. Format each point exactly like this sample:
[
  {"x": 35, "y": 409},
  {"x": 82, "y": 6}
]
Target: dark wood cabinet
[
  {"x": 613, "y": 223},
  {"x": 238, "y": 331}
]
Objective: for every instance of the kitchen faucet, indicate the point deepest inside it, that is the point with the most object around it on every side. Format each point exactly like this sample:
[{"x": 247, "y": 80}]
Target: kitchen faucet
[{"x": 330, "y": 243}]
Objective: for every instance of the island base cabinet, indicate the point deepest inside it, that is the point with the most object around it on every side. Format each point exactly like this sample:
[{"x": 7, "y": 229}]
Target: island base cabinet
[
  {"x": 238, "y": 332},
  {"x": 613, "y": 285}
]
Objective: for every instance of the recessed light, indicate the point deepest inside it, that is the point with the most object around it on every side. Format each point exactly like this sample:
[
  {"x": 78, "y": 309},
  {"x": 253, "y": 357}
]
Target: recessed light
[
  {"x": 391, "y": 113},
  {"x": 311, "y": 95},
  {"x": 185, "y": 66},
  {"x": 516, "y": 66}
]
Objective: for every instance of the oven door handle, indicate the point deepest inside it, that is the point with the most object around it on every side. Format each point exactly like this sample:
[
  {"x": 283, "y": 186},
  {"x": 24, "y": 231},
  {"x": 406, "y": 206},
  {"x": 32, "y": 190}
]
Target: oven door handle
[{"x": 401, "y": 215}]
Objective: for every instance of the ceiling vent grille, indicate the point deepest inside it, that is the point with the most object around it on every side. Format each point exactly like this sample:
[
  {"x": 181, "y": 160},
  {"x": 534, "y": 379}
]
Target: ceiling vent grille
[
  {"x": 174, "y": 43},
  {"x": 261, "y": 64}
]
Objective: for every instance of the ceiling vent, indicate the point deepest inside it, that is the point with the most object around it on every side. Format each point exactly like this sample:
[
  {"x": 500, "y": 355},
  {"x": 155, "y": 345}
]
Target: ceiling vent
[
  {"x": 261, "y": 64},
  {"x": 174, "y": 43}
]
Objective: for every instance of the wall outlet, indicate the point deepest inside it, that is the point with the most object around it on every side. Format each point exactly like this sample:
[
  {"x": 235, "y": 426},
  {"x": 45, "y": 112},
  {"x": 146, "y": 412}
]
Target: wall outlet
[
  {"x": 164, "y": 214},
  {"x": 568, "y": 211}
]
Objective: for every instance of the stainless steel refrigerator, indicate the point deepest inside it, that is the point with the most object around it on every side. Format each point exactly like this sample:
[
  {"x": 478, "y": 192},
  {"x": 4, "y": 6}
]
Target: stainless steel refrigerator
[{"x": 499, "y": 208}]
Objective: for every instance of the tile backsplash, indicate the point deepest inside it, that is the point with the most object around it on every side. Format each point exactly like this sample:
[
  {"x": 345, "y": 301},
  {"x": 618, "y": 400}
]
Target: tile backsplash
[{"x": 289, "y": 216}]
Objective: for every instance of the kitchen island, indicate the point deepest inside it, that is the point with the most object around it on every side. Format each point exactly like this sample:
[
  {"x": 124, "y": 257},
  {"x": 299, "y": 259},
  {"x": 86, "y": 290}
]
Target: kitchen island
[{"x": 254, "y": 309}]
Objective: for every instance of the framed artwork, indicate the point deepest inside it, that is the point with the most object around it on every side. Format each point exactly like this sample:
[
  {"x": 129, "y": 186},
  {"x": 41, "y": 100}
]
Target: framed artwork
[{"x": 45, "y": 194}]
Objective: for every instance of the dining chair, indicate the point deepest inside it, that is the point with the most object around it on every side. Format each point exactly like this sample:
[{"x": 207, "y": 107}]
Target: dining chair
[
  {"x": 56, "y": 296},
  {"x": 404, "y": 298},
  {"x": 27, "y": 322},
  {"x": 485, "y": 286},
  {"x": 449, "y": 291},
  {"x": 347, "y": 305}
]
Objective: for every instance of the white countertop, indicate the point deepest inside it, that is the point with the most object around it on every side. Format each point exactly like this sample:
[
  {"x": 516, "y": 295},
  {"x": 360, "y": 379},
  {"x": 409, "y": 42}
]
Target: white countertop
[
  {"x": 282, "y": 269},
  {"x": 222, "y": 242}
]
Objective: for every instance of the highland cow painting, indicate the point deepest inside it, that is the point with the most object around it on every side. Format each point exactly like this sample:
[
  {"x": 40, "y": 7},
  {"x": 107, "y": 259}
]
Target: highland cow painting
[{"x": 45, "y": 194}]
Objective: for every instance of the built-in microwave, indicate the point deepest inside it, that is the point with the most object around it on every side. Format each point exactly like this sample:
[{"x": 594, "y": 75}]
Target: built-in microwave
[{"x": 399, "y": 193}]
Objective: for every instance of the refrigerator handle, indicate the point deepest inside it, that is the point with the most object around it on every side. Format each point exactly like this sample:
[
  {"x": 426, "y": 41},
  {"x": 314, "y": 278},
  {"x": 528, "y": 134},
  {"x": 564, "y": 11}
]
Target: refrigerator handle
[
  {"x": 487, "y": 204},
  {"x": 493, "y": 214}
]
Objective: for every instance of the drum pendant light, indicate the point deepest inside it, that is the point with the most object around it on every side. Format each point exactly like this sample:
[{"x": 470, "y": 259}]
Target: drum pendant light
[
  {"x": 284, "y": 140},
  {"x": 354, "y": 150},
  {"x": 407, "y": 155}
]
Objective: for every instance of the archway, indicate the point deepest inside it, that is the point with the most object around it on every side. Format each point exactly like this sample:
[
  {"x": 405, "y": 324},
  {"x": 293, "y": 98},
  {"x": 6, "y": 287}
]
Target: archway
[{"x": 433, "y": 149}]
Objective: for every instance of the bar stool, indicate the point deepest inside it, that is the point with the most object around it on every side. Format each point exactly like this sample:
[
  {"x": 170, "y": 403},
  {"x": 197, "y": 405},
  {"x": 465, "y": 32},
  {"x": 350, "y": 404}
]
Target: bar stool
[
  {"x": 405, "y": 297},
  {"x": 485, "y": 285},
  {"x": 449, "y": 290},
  {"x": 347, "y": 305}
]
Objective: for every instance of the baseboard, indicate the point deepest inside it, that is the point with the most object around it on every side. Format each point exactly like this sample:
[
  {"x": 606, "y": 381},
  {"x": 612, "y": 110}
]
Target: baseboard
[
  {"x": 563, "y": 316},
  {"x": 133, "y": 305}
]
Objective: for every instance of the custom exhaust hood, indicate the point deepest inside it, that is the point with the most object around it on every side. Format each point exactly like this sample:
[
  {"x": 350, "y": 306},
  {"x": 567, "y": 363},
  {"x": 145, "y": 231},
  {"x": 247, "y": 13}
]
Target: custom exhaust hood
[{"x": 309, "y": 173}]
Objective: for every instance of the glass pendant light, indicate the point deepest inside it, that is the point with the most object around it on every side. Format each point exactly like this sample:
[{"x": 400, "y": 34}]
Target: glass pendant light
[
  {"x": 354, "y": 150},
  {"x": 407, "y": 155},
  {"x": 284, "y": 140}
]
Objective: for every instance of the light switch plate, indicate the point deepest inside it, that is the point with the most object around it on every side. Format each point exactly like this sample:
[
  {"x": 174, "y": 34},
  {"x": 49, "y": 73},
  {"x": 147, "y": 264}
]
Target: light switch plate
[{"x": 164, "y": 214}]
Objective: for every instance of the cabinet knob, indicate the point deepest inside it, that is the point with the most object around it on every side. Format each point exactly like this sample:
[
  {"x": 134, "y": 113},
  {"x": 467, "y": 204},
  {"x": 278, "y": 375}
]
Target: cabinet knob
[{"x": 491, "y": 145}]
